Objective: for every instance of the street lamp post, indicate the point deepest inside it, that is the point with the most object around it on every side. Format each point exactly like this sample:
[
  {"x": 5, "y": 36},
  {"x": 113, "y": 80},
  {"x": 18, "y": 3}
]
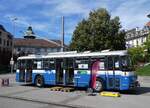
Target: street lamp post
[
  {"x": 13, "y": 19},
  {"x": 62, "y": 40}
]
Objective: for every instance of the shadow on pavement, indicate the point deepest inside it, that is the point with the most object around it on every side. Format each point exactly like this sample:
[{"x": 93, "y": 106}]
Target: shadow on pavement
[
  {"x": 138, "y": 91},
  {"x": 31, "y": 85},
  {"x": 143, "y": 90}
]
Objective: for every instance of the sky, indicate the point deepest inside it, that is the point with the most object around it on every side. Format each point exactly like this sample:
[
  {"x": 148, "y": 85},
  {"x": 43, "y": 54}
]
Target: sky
[{"x": 45, "y": 15}]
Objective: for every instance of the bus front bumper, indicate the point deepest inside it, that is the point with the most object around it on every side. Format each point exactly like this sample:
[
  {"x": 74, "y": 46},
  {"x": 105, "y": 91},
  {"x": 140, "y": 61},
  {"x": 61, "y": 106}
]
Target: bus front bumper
[{"x": 134, "y": 85}]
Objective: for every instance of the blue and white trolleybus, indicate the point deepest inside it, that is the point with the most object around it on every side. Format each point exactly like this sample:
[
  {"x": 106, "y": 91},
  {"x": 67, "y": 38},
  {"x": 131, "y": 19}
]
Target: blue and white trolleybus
[{"x": 111, "y": 70}]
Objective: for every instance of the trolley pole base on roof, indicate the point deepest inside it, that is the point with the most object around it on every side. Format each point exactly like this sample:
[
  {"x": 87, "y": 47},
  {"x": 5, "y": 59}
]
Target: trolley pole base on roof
[{"x": 110, "y": 94}]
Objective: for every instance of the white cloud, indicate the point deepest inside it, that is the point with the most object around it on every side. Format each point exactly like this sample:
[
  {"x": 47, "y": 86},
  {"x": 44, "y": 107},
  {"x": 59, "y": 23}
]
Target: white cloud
[
  {"x": 70, "y": 7},
  {"x": 40, "y": 26},
  {"x": 64, "y": 7},
  {"x": 132, "y": 14}
]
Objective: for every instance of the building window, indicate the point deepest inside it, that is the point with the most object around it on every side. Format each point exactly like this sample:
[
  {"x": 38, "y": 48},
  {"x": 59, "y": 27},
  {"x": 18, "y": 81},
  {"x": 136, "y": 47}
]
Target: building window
[
  {"x": 7, "y": 42},
  {"x": 10, "y": 43},
  {"x": 49, "y": 49},
  {"x": 0, "y": 41},
  {"x": 38, "y": 50},
  {"x": 4, "y": 43},
  {"x": 54, "y": 49},
  {"x": 19, "y": 49},
  {"x": 142, "y": 40},
  {"x": 137, "y": 43}
]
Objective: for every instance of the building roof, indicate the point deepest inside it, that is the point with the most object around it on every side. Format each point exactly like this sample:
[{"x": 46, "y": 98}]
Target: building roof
[
  {"x": 35, "y": 43},
  {"x": 148, "y": 24},
  {"x": 2, "y": 28}
]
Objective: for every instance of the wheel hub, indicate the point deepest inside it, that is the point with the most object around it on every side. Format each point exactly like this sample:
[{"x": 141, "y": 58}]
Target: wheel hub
[{"x": 98, "y": 86}]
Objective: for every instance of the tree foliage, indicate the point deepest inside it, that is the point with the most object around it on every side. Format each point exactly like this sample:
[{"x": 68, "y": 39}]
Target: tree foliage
[
  {"x": 147, "y": 48},
  {"x": 98, "y": 32},
  {"x": 137, "y": 54}
]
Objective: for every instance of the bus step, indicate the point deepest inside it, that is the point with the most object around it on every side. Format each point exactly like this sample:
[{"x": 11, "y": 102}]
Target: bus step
[
  {"x": 110, "y": 94},
  {"x": 55, "y": 88},
  {"x": 67, "y": 89}
]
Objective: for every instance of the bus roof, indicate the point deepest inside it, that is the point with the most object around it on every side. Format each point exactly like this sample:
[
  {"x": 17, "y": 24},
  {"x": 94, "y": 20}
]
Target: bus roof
[{"x": 75, "y": 54}]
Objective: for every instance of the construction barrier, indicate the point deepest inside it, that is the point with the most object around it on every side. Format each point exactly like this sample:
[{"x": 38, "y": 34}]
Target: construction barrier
[
  {"x": 67, "y": 89},
  {"x": 4, "y": 82},
  {"x": 62, "y": 89},
  {"x": 56, "y": 88},
  {"x": 110, "y": 94}
]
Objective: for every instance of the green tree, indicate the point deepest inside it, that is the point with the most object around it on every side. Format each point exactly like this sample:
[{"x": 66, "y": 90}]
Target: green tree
[
  {"x": 98, "y": 32},
  {"x": 137, "y": 54},
  {"x": 147, "y": 48}
]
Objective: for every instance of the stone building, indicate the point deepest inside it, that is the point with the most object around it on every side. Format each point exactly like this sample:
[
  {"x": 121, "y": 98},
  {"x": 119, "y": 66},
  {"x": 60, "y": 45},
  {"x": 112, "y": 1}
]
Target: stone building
[
  {"x": 5, "y": 46},
  {"x": 30, "y": 44},
  {"x": 137, "y": 37}
]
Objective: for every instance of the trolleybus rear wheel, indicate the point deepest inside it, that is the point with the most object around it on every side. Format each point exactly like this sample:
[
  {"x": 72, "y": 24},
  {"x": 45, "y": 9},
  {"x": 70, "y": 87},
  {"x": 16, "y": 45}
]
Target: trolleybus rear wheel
[
  {"x": 99, "y": 85},
  {"x": 39, "y": 82}
]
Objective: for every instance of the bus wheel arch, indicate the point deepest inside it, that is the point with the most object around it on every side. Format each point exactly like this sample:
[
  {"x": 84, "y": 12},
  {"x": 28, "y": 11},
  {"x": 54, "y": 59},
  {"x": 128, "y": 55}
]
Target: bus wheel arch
[
  {"x": 39, "y": 80},
  {"x": 99, "y": 85}
]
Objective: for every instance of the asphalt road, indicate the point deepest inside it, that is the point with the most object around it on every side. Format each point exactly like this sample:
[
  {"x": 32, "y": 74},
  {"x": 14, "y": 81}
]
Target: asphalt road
[{"x": 28, "y": 96}]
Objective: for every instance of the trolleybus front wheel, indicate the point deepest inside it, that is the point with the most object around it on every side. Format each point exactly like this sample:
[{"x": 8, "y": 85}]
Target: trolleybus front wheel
[
  {"x": 39, "y": 81},
  {"x": 99, "y": 85}
]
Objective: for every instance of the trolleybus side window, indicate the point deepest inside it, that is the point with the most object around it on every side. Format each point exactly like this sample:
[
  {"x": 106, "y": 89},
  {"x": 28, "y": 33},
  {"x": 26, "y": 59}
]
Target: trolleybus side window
[
  {"x": 21, "y": 64},
  {"x": 69, "y": 63},
  {"x": 113, "y": 63},
  {"x": 37, "y": 64},
  {"x": 110, "y": 62},
  {"x": 52, "y": 64},
  {"x": 116, "y": 63},
  {"x": 29, "y": 63},
  {"x": 46, "y": 64},
  {"x": 82, "y": 63},
  {"x": 18, "y": 64},
  {"x": 102, "y": 62}
]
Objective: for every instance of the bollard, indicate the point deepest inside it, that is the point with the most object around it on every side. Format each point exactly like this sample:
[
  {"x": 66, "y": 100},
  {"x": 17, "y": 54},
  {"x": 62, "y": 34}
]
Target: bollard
[{"x": 4, "y": 82}]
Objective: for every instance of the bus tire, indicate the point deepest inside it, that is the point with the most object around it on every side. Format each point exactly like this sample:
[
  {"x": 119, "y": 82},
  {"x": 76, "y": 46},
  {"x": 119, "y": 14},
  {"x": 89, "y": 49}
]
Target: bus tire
[
  {"x": 99, "y": 85},
  {"x": 39, "y": 81}
]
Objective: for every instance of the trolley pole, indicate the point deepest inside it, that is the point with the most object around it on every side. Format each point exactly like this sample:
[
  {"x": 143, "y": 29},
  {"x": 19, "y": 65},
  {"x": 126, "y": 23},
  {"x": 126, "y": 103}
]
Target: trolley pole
[{"x": 62, "y": 40}]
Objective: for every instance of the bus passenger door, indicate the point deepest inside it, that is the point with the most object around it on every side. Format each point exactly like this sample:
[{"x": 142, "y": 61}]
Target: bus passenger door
[
  {"x": 110, "y": 74},
  {"x": 82, "y": 72},
  {"x": 59, "y": 71},
  {"x": 113, "y": 80},
  {"x": 21, "y": 72},
  {"x": 28, "y": 71},
  {"x": 69, "y": 71}
]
